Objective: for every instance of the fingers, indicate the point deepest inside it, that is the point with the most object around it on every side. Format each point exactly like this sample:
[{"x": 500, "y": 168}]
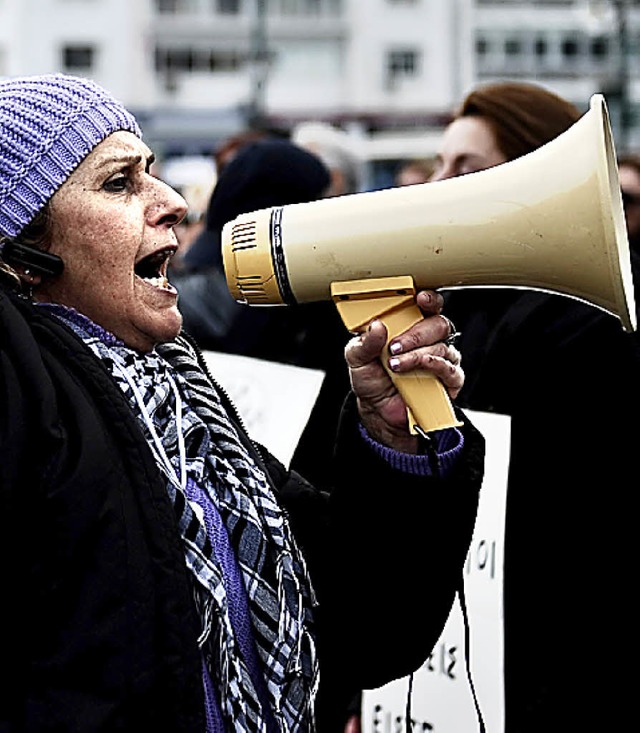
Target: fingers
[
  {"x": 430, "y": 345},
  {"x": 429, "y": 330},
  {"x": 413, "y": 359},
  {"x": 367, "y": 347},
  {"x": 424, "y": 346},
  {"x": 430, "y": 302},
  {"x": 442, "y": 359}
]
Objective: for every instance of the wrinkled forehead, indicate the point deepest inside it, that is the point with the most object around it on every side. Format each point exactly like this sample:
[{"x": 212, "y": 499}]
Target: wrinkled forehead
[{"x": 118, "y": 150}]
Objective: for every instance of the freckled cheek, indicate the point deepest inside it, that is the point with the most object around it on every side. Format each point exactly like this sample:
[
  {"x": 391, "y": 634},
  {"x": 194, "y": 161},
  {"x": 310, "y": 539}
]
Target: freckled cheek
[
  {"x": 95, "y": 238},
  {"x": 105, "y": 244}
]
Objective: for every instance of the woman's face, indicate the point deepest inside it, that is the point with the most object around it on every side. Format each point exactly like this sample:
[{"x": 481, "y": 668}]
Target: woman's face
[
  {"x": 468, "y": 145},
  {"x": 112, "y": 225},
  {"x": 630, "y": 185}
]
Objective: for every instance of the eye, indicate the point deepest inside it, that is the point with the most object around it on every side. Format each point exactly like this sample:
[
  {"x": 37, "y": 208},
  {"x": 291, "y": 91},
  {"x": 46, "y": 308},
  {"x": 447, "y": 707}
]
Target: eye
[{"x": 118, "y": 183}]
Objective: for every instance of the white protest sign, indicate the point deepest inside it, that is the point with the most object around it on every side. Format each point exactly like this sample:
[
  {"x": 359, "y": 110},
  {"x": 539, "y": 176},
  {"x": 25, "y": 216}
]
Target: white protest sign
[
  {"x": 274, "y": 400},
  {"x": 442, "y": 699}
]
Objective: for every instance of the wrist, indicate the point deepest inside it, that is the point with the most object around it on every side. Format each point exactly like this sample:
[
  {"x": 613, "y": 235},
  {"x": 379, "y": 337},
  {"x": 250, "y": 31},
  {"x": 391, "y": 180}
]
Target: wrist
[{"x": 445, "y": 445}]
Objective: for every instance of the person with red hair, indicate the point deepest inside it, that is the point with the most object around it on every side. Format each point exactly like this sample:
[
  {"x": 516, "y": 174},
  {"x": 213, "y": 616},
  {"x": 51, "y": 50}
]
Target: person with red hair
[{"x": 570, "y": 528}]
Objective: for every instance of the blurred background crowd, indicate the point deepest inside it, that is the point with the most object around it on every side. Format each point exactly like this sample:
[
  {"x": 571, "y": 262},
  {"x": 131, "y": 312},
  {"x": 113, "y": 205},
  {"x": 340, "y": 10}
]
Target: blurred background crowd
[{"x": 385, "y": 74}]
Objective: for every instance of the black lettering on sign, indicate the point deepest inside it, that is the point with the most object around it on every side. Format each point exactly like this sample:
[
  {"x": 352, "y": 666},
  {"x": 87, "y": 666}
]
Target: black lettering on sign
[
  {"x": 384, "y": 721},
  {"x": 442, "y": 660},
  {"x": 482, "y": 558}
]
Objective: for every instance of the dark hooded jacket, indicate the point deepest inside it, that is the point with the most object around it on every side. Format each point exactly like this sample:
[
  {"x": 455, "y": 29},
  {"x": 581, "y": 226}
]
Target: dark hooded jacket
[
  {"x": 569, "y": 377},
  {"x": 97, "y": 625},
  {"x": 312, "y": 335}
]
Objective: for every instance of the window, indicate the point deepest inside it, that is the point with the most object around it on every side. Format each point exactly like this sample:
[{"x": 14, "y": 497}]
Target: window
[
  {"x": 78, "y": 58},
  {"x": 482, "y": 46},
  {"x": 167, "y": 6},
  {"x": 305, "y": 7},
  {"x": 513, "y": 47},
  {"x": 172, "y": 7},
  {"x": 599, "y": 48},
  {"x": 402, "y": 63},
  {"x": 188, "y": 59},
  {"x": 570, "y": 48},
  {"x": 520, "y": 2},
  {"x": 228, "y": 7},
  {"x": 540, "y": 47}
]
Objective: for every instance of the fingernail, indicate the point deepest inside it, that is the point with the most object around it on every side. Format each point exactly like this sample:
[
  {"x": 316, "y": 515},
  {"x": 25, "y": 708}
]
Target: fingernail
[
  {"x": 395, "y": 348},
  {"x": 394, "y": 364}
]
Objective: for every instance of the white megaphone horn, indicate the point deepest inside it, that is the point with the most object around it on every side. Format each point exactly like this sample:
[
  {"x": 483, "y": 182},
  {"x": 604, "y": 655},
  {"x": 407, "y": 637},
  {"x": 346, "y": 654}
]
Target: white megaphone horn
[{"x": 551, "y": 220}]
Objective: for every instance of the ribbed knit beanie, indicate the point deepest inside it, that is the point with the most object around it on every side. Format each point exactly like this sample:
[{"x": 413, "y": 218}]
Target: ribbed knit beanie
[{"x": 48, "y": 125}]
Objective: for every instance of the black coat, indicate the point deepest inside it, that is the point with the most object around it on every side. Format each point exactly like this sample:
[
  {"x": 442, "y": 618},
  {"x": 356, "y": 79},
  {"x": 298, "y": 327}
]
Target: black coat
[
  {"x": 97, "y": 625},
  {"x": 568, "y": 375}
]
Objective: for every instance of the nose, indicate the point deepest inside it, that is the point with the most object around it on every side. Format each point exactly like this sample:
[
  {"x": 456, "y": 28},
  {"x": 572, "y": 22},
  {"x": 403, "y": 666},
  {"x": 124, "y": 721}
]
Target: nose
[
  {"x": 168, "y": 208},
  {"x": 442, "y": 172}
]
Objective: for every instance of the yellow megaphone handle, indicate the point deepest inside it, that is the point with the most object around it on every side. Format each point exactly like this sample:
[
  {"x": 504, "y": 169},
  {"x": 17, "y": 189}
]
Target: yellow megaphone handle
[{"x": 392, "y": 300}]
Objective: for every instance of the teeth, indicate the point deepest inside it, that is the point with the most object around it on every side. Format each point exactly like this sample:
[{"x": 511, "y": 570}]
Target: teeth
[{"x": 159, "y": 281}]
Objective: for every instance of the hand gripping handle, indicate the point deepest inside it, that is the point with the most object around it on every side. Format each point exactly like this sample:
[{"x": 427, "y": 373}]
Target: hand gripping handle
[{"x": 392, "y": 300}]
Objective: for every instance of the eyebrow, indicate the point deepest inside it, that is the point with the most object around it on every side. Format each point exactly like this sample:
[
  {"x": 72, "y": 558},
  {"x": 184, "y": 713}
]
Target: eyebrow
[
  {"x": 463, "y": 159},
  {"x": 126, "y": 160}
]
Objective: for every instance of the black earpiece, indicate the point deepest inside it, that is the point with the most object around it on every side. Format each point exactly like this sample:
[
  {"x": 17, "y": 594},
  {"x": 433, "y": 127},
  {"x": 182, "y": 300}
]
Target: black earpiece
[{"x": 37, "y": 261}]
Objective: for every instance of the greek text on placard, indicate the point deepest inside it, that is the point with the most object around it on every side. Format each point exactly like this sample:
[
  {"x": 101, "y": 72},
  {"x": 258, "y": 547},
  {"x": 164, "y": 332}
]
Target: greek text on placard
[
  {"x": 442, "y": 660},
  {"x": 385, "y": 721},
  {"x": 482, "y": 557}
]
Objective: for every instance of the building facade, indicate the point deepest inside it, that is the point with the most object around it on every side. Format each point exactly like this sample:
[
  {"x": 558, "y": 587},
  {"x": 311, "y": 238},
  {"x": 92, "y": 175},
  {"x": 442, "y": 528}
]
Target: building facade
[{"x": 388, "y": 71}]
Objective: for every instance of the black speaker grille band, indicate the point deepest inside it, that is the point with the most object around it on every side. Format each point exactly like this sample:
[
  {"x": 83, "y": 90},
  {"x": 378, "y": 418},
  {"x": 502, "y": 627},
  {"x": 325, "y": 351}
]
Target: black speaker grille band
[{"x": 277, "y": 258}]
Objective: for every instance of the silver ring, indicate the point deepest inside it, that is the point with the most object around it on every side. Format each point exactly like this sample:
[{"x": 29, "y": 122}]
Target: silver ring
[{"x": 454, "y": 334}]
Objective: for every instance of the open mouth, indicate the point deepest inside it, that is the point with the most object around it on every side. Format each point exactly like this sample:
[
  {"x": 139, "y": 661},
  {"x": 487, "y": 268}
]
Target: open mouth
[{"x": 153, "y": 269}]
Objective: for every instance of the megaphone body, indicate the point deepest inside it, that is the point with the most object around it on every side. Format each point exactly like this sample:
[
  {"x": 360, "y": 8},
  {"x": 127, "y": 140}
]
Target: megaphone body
[{"x": 551, "y": 220}]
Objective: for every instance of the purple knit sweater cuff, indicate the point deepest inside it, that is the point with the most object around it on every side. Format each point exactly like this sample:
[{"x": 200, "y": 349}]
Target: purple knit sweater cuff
[{"x": 448, "y": 444}]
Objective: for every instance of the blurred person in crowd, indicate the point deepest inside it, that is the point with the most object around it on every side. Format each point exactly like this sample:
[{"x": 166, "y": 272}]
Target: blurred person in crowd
[
  {"x": 569, "y": 538},
  {"x": 165, "y": 572},
  {"x": 629, "y": 174},
  {"x": 267, "y": 173},
  {"x": 193, "y": 223},
  {"x": 193, "y": 177},
  {"x": 414, "y": 170},
  {"x": 197, "y": 193},
  {"x": 336, "y": 150},
  {"x": 227, "y": 150}
]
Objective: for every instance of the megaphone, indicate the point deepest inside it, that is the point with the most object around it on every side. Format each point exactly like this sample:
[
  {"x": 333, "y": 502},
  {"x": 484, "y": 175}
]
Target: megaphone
[{"x": 551, "y": 220}]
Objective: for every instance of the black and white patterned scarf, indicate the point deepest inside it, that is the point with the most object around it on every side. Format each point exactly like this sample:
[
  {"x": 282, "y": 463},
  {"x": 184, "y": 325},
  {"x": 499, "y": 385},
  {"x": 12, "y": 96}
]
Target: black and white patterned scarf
[{"x": 193, "y": 440}]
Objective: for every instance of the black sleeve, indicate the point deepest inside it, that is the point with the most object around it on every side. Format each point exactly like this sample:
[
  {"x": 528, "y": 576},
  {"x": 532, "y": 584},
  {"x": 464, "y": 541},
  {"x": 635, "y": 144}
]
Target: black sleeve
[{"x": 379, "y": 544}]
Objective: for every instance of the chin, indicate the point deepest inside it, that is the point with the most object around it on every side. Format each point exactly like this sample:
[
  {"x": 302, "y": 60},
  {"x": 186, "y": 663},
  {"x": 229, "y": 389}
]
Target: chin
[
  {"x": 169, "y": 330},
  {"x": 146, "y": 339}
]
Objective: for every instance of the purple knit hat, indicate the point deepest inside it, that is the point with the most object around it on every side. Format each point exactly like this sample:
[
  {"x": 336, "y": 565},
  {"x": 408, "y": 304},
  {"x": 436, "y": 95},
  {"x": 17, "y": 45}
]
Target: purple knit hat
[{"x": 48, "y": 125}]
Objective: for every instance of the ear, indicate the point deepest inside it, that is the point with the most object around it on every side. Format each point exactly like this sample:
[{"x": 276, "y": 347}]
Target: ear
[
  {"x": 39, "y": 263},
  {"x": 28, "y": 277}
]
